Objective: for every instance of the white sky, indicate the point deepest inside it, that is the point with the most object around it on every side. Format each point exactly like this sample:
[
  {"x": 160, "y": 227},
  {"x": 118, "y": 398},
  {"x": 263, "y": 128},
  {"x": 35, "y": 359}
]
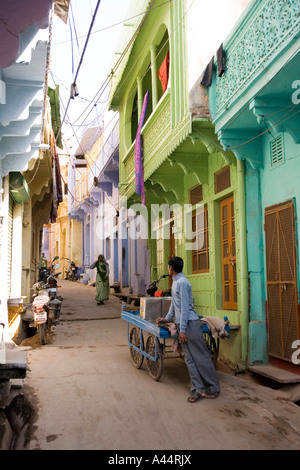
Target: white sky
[{"x": 96, "y": 62}]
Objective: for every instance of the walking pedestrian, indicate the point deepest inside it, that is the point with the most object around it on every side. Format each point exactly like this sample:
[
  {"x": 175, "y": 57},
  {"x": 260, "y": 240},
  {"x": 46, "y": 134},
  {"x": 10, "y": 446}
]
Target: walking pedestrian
[
  {"x": 204, "y": 379},
  {"x": 102, "y": 279},
  {"x": 43, "y": 261}
]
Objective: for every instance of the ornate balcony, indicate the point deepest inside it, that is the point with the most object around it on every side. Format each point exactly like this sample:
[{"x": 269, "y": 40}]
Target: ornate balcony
[
  {"x": 265, "y": 30},
  {"x": 160, "y": 139}
]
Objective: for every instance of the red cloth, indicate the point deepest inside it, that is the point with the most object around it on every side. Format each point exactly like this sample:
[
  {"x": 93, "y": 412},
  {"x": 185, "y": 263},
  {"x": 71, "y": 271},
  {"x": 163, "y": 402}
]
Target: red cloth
[
  {"x": 163, "y": 72},
  {"x": 158, "y": 293}
]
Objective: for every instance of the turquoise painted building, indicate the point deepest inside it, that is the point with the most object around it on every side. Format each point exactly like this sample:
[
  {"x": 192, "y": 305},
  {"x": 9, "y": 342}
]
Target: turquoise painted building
[{"x": 255, "y": 107}]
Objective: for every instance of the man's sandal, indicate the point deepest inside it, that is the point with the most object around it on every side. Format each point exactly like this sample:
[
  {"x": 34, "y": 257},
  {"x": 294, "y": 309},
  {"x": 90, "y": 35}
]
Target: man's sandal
[
  {"x": 196, "y": 396},
  {"x": 212, "y": 395}
]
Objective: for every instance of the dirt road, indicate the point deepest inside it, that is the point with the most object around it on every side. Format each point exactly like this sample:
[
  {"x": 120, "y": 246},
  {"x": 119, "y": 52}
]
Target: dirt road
[{"x": 88, "y": 395}]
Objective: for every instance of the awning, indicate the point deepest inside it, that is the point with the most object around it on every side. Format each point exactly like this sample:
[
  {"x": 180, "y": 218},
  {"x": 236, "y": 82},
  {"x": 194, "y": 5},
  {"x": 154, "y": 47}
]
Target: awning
[{"x": 18, "y": 187}]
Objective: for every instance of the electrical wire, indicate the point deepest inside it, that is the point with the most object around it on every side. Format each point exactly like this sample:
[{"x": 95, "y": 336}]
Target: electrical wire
[
  {"x": 80, "y": 62},
  {"x": 133, "y": 37},
  {"x": 123, "y": 54},
  {"x": 267, "y": 130},
  {"x": 113, "y": 25}
]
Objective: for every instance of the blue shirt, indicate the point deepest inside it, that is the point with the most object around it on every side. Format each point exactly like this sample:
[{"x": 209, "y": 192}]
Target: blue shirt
[{"x": 182, "y": 306}]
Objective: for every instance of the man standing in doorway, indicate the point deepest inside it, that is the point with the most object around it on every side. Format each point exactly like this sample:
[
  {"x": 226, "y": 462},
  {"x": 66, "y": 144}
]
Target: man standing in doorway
[{"x": 205, "y": 383}]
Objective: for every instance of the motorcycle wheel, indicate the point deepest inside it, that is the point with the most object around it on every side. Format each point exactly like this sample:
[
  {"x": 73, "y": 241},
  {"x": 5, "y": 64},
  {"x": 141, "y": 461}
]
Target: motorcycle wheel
[{"x": 42, "y": 333}]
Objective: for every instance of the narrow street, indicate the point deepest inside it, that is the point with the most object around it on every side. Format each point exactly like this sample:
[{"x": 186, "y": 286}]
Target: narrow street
[{"x": 87, "y": 395}]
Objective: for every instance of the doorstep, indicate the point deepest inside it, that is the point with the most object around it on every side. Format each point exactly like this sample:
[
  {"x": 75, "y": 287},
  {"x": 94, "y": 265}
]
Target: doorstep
[{"x": 275, "y": 373}]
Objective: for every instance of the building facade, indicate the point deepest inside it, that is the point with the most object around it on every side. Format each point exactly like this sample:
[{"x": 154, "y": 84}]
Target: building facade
[
  {"x": 254, "y": 108},
  {"x": 194, "y": 190},
  {"x": 27, "y": 166},
  {"x": 97, "y": 207}
]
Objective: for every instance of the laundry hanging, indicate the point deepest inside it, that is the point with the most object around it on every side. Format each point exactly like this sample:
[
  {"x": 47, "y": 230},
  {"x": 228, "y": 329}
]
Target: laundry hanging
[
  {"x": 220, "y": 61},
  {"x": 139, "y": 171},
  {"x": 163, "y": 72},
  {"x": 207, "y": 77}
]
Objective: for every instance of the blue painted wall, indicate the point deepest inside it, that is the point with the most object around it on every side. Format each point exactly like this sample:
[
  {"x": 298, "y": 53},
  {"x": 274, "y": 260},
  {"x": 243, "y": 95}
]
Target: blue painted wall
[{"x": 266, "y": 187}]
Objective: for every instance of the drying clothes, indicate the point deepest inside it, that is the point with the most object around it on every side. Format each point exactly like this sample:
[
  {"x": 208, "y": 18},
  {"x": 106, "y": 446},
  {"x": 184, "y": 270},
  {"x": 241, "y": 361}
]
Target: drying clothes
[
  {"x": 172, "y": 327},
  {"x": 216, "y": 326},
  {"x": 163, "y": 72},
  {"x": 220, "y": 61},
  {"x": 207, "y": 77}
]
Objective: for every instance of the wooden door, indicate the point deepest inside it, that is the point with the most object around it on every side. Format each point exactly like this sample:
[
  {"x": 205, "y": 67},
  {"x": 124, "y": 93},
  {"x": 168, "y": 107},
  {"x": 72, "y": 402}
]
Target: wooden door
[
  {"x": 283, "y": 327},
  {"x": 228, "y": 254}
]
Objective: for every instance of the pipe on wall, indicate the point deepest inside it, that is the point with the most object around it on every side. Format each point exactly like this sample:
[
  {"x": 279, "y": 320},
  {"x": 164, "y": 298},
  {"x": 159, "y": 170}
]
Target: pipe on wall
[{"x": 243, "y": 261}]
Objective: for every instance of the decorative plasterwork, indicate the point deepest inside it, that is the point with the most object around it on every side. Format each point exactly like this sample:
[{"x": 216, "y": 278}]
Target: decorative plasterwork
[
  {"x": 167, "y": 184},
  {"x": 263, "y": 34},
  {"x": 160, "y": 141},
  {"x": 16, "y": 17},
  {"x": 192, "y": 163},
  {"x": 245, "y": 146},
  {"x": 21, "y": 114},
  {"x": 278, "y": 115}
]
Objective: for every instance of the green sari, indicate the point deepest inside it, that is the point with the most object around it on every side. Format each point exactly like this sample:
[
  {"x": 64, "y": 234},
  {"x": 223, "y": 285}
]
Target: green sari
[{"x": 102, "y": 284}]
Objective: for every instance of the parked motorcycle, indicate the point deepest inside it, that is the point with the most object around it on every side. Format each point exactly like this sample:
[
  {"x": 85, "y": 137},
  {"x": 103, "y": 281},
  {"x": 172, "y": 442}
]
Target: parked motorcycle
[
  {"x": 45, "y": 308},
  {"x": 46, "y": 305},
  {"x": 72, "y": 271},
  {"x": 47, "y": 276},
  {"x": 44, "y": 273},
  {"x": 153, "y": 291}
]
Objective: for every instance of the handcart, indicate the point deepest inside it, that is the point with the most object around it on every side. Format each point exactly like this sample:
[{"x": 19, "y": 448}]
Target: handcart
[{"x": 149, "y": 340}]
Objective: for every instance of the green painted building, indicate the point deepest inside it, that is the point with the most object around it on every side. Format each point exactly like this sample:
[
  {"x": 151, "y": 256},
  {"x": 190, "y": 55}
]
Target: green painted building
[{"x": 185, "y": 167}]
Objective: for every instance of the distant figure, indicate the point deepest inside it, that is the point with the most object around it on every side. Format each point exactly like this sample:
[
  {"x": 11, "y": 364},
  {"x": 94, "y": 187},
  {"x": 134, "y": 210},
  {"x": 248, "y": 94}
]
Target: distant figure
[
  {"x": 43, "y": 261},
  {"x": 102, "y": 280}
]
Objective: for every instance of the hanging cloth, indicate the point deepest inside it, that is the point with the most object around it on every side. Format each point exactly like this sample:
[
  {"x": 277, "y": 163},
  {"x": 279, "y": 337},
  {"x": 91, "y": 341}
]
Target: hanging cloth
[
  {"x": 139, "y": 171},
  {"x": 163, "y": 72},
  {"x": 220, "y": 61},
  {"x": 207, "y": 77}
]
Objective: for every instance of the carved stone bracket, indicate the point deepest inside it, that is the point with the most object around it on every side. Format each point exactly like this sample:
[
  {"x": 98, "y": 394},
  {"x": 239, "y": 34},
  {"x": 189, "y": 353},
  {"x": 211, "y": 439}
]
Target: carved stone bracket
[
  {"x": 245, "y": 145},
  {"x": 169, "y": 186},
  {"x": 278, "y": 114},
  {"x": 192, "y": 163}
]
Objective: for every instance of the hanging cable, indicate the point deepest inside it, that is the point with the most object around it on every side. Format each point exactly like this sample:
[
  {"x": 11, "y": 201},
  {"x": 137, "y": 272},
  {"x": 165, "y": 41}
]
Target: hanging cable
[{"x": 79, "y": 65}]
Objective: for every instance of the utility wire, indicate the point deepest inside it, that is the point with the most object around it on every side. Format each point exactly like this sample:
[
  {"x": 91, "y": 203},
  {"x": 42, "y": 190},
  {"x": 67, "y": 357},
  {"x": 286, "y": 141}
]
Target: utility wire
[{"x": 80, "y": 63}]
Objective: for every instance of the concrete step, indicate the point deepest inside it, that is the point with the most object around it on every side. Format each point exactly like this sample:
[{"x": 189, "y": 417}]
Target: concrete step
[{"x": 274, "y": 373}]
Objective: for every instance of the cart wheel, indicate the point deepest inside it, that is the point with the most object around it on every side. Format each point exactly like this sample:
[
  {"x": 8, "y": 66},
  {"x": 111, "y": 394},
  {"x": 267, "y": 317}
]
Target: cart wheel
[
  {"x": 154, "y": 367},
  {"x": 136, "y": 357},
  {"x": 212, "y": 346}
]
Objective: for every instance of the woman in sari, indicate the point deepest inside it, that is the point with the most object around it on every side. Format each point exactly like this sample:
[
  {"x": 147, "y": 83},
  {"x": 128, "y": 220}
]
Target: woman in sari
[{"x": 102, "y": 280}]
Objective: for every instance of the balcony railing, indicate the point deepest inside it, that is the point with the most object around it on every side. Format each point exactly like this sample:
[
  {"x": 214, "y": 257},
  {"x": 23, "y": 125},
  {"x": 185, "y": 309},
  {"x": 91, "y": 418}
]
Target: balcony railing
[
  {"x": 160, "y": 139},
  {"x": 263, "y": 33}
]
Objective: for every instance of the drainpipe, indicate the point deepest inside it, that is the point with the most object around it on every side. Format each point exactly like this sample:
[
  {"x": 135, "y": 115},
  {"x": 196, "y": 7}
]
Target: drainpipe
[{"x": 244, "y": 264}]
